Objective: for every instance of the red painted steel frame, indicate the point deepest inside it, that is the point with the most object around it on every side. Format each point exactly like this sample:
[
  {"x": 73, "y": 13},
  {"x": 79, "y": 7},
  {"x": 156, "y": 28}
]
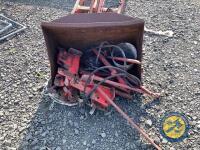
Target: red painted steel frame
[{"x": 96, "y": 6}]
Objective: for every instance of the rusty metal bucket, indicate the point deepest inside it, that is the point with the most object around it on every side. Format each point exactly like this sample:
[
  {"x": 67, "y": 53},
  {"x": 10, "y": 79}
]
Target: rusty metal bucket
[{"x": 81, "y": 31}]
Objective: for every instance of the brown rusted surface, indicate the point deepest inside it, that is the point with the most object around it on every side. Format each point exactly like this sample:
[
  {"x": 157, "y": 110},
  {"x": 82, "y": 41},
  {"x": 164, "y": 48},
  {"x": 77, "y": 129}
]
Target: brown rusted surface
[{"x": 81, "y": 31}]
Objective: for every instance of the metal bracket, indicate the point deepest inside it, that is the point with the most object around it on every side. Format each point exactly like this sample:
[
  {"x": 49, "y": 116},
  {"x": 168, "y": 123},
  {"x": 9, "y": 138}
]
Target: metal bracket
[{"x": 10, "y": 30}]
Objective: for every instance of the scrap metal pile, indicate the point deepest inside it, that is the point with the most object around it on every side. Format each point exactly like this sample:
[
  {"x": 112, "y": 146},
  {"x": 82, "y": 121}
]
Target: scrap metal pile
[
  {"x": 99, "y": 74},
  {"x": 105, "y": 67}
]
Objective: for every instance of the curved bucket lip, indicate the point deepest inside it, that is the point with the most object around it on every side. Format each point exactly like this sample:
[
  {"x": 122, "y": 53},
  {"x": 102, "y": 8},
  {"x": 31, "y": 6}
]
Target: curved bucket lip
[{"x": 84, "y": 20}]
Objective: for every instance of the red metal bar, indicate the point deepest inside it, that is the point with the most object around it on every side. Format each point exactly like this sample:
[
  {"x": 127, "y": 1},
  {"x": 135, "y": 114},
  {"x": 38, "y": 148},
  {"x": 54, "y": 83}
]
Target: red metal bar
[
  {"x": 76, "y": 6},
  {"x": 140, "y": 89},
  {"x": 121, "y": 6},
  {"x": 96, "y": 6},
  {"x": 132, "y": 61},
  {"x": 115, "y": 84},
  {"x": 96, "y": 97},
  {"x": 123, "y": 94},
  {"x": 93, "y": 6},
  {"x": 100, "y": 6},
  {"x": 156, "y": 95},
  {"x": 125, "y": 116}
]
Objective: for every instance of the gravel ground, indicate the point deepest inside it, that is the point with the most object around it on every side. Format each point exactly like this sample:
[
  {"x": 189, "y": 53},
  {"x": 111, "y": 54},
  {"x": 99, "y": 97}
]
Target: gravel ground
[{"x": 171, "y": 66}]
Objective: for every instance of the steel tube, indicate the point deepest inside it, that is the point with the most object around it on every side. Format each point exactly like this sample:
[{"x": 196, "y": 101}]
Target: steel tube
[
  {"x": 132, "y": 61},
  {"x": 141, "y": 89},
  {"x": 6, "y": 27},
  {"x": 125, "y": 116}
]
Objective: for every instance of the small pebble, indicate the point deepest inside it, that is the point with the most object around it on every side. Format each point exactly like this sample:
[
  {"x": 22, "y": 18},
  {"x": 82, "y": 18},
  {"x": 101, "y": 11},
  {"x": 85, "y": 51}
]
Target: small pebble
[
  {"x": 148, "y": 123},
  {"x": 7, "y": 142},
  {"x": 103, "y": 135},
  {"x": 76, "y": 131},
  {"x": 70, "y": 123},
  {"x": 76, "y": 125},
  {"x": 93, "y": 141},
  {"x": 116, "y": 134},
  {"x": 164, "y": 141},
  {"x": 64, "y": 141},
  {"x": 58, "y": 148}
]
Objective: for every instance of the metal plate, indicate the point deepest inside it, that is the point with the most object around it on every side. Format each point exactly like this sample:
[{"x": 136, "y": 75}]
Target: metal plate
[
  {"x": 9, "y": 27},
  {"x": 4, "y": 26}
]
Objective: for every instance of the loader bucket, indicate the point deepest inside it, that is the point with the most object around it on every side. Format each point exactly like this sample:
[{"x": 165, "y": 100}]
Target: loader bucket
[{"x": 81, "y": 31}]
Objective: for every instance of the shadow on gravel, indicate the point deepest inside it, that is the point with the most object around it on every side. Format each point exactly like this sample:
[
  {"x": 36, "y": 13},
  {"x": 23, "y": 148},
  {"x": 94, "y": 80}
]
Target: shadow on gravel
[{"x": 73, "y": 128}]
